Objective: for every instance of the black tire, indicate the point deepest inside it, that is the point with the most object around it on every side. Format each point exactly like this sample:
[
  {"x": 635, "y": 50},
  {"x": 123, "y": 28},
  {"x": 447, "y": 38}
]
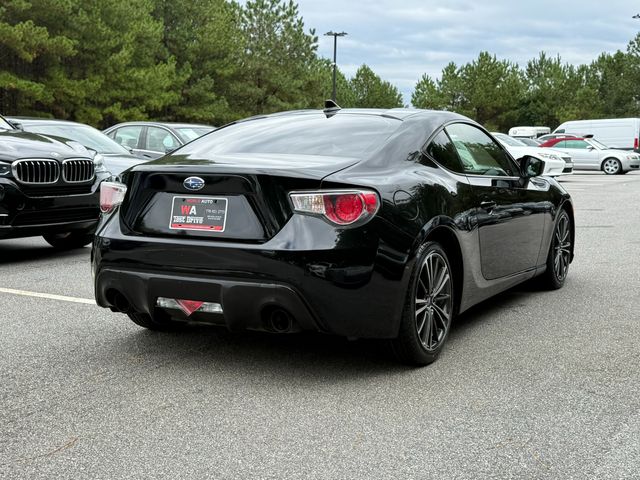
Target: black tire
[
  {"x": 559, "y": 256},
  {"x": 429, "y": 303},
  {"x": 68, "y": 240},
  {"x": 611, "y": 166},
  {"x": 158, "y": 323}
]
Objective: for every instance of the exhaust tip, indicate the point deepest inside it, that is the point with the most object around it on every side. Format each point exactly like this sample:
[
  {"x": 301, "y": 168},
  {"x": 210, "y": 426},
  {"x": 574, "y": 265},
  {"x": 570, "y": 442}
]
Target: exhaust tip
[
  {"x": 278, "y": 320},
  {"x": 119, "y": 301}
]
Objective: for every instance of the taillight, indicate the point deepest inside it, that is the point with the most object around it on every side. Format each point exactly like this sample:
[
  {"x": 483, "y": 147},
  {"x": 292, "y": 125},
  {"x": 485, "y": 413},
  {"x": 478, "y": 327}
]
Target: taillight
[
  {"x": 111, "y": 195},
  {"x": 341, "y": 207},
  {"x": 636, "y": 144}
]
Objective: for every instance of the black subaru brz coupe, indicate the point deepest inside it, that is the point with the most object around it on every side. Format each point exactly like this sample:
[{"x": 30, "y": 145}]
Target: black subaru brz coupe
[{"x": 361, "y": 223}]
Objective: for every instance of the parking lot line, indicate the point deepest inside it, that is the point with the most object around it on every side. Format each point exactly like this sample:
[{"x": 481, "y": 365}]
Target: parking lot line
[{"x": 86, "y": 301}]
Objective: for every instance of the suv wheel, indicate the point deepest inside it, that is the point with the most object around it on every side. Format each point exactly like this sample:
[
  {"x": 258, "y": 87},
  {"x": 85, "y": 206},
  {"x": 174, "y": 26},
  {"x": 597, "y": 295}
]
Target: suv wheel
[{"x": 69, "y": 240}]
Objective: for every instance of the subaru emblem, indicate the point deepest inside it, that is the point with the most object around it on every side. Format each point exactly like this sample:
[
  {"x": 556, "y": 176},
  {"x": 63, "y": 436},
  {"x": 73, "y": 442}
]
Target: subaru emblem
[{"x": 193, "y": 183}]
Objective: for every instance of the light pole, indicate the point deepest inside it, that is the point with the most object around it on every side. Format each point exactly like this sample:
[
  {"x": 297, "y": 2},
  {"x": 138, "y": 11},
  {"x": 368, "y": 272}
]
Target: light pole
[{"x": 335, "y": 47}]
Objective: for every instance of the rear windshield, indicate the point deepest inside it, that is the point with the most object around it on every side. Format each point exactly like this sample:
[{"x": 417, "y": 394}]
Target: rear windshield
[{"x": 338, "y": 136}]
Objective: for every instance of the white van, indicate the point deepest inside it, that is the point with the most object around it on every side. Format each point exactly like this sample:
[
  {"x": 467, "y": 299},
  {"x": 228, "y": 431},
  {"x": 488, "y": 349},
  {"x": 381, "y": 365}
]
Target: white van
[
  {"x": 528, "y": 132},
  {"x": 621, "y": 133}
]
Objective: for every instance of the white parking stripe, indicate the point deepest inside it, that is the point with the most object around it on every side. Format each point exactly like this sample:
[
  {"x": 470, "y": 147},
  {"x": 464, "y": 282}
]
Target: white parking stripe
[{"x": 49, "y": 296}]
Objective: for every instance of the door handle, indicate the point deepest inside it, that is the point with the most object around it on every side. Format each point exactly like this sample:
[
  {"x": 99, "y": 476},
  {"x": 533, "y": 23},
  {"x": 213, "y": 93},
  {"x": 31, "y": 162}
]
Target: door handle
[{"x": 488, "y": 205}]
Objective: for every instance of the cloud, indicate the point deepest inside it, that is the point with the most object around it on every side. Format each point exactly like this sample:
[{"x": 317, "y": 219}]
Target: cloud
[{"x": 401, "y": 40}]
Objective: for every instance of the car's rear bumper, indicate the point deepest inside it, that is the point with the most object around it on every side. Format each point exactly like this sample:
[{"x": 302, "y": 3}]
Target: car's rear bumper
[
  {"x": 22, "y": 215},
  {"x": 340, "y": 286}
]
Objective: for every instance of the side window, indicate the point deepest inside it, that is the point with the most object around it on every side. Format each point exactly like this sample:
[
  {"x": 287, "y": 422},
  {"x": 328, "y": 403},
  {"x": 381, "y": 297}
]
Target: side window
[
  {"x": 160, "y": 140},
  {"x": 128, "y": 136},
  {"x": 562, "y": 144},
  {"x": 442, "y": 151},
  {"x": 577, "y": 144},
  {"x": 480, "y": 155}
]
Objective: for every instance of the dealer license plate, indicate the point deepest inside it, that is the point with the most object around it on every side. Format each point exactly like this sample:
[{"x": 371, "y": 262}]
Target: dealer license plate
[{"x": 207, "y": 214}]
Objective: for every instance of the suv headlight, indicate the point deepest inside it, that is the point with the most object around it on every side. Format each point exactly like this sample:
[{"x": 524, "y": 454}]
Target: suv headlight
[
  {"x": 4, "y": 169},
  {"x": 98, "y": 163},
  {"x": 550, "y": 156}
]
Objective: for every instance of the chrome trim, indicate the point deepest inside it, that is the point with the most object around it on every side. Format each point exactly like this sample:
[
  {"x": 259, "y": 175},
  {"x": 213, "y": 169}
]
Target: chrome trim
[
  {"x": 51, "y": 169},
  {"x": 78, "y": 168}
]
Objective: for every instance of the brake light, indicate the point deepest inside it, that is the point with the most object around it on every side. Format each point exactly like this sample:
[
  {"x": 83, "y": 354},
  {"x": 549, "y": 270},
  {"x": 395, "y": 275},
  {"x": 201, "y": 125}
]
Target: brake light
[
  {"x": 636, "y": 144},
  {"x": 341, "y": 207},
  {"x": 111, "y": 195}
]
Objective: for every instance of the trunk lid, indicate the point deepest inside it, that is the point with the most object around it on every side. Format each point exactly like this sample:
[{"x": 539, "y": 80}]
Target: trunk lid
[{"x": 244, "y": 198}]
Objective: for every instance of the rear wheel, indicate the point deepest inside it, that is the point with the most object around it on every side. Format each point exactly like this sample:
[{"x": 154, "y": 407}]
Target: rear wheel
[
  {"x": 428, "y": 308},
  {"x": 559, "y": 255},
  {"x": 612, "y": 166},
  {"x": 156, "y": 322},
  {"x": 69, "y": 240}
]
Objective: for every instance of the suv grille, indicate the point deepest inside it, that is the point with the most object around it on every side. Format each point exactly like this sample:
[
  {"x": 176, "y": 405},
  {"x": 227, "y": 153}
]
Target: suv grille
[
  {"x": 36, "y": 171},
  {"x": 77, "y": 171}
]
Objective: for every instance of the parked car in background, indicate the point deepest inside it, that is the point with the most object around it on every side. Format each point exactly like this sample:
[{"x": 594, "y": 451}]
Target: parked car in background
[
  {"x": 530, "y": 142},
  {"x": 616, "y": 133},
  {"x": 556, "y": 162},
  {"x": 551, "y": 136},
  {"x": 528, "y": 132},
  {"x": 150, "y": 140},
  {"x": 292, "y": 222},
  {"x": 590, "y": 154},
  {"x": 48, "y": 186},
  {"x": 116, "y": 158}
]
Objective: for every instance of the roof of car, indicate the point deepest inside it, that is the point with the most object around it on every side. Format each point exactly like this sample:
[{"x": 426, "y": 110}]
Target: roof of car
[
  {"x": 32, "y": 120},
  {"x": 396, "y": 113},
  {"x": 553, "y": 141},
  {"x": 163, "y": 124}
]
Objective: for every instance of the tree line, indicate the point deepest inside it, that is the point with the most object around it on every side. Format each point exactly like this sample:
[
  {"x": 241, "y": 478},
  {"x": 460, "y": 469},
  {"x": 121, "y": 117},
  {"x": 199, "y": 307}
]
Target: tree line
[
  {"x": 214, "y": 61},
  {"x": 210, "y": 61},
  {"x": 500, "y": 94}
]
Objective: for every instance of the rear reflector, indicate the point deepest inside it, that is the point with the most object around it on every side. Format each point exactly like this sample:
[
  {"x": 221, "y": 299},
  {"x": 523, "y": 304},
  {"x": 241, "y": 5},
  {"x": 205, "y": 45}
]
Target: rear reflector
[
  {"x": 341, "y": 207},
  {"x": 188, "y": 306},
  {"x": 111, "y": 195}
]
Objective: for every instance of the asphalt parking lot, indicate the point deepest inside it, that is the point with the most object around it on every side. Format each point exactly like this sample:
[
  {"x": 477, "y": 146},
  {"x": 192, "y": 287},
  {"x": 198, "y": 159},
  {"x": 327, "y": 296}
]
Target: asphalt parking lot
[{"x": 531, "y": 384}]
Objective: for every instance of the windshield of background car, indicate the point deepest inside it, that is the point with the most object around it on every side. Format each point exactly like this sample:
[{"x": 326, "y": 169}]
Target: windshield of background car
[
  {"x": 512, "y": 142},
  {"x": 597, "y": 144},
  {"x": 4, "y": 125},
  {"x": 191, "y": 133},
  {"x": 338, "y": 136},
  {"x": 83, "y": 134}
]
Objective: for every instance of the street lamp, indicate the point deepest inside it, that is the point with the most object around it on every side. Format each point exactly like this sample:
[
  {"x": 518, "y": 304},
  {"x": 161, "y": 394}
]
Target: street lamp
[{"x": 335, "y": 46}]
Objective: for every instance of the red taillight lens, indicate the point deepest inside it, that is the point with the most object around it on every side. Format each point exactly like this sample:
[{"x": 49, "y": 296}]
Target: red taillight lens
[
  {"x": 111, "y": 195},
  {"x": 636, "y": 144},
  {"x": 342, "y": 207}
]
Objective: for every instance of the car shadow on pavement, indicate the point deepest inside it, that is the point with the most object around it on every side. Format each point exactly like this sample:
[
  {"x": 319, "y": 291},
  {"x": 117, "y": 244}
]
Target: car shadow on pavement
[
  {"x": 11, "y": 253},
  {"x": 311, "y": 356}
]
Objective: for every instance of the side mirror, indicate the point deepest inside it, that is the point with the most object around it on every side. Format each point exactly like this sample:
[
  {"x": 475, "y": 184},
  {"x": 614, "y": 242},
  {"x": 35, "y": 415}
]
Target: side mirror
[
  {"x": 591, "y": 148},
  {"x": 530, "y": 167}
]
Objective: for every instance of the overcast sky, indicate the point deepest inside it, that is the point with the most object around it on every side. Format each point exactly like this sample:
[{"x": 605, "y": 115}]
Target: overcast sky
[{"x": 402, "y": 39}]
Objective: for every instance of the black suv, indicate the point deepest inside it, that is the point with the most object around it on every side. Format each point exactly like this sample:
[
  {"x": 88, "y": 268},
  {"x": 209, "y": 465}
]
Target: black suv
[{"x": 49, "y": 186}]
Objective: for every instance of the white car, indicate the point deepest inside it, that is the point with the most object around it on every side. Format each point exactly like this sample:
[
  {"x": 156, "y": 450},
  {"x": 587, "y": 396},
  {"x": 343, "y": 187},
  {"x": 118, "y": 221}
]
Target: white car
[
  {"x": 555, "y": 162},
  {"x": 590, "y": 154}
]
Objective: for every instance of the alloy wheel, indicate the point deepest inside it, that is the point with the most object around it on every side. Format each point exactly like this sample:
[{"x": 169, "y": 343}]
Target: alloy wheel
[
  {"x": 611, "y": 166},
  {"x": 433, "y": 301},
  {"x": 562, "y": 247}
]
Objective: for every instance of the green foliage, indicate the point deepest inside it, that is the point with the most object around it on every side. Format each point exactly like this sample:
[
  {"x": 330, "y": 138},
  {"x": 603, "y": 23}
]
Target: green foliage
[
  {"x": 370, "y": 91},
  {"x": 545, "y": 92}
]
